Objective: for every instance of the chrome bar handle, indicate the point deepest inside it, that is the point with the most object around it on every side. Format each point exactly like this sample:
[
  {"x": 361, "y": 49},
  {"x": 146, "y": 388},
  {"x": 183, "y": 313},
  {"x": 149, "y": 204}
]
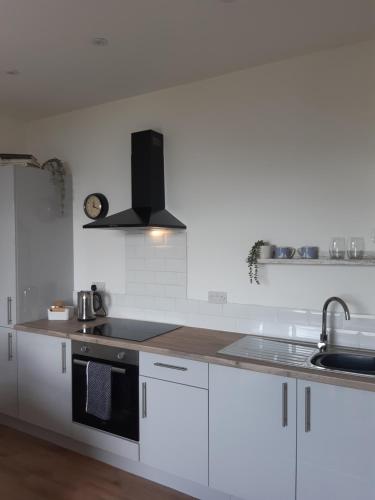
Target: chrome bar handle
[
  {"x": 172, "y": 367},
  {"x": 63, "y": 357},
  {"x": 9, "y": 308},
  {"x": 307, "y": 409},
  {"x": 144, "y": 400},
  {"x": 113, "y": 368},
  {"x": 10, "y": 346},
  {"x": 285, "y": 404}
]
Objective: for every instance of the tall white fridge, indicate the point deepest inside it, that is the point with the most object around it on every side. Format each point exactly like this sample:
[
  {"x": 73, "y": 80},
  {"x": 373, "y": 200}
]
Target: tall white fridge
[{"x": 36, "y": 244}]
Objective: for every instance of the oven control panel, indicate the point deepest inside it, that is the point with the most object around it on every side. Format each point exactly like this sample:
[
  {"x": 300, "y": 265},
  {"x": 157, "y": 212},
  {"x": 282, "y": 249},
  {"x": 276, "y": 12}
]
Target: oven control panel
[{"x": 97, "y": 352}]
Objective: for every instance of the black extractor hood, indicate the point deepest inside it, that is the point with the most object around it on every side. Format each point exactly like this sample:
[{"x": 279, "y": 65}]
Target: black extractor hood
[{"x": 148, "y": 194}]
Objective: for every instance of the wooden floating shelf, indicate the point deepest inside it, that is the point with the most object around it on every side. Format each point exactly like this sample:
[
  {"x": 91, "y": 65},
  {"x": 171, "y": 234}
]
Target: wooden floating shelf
[{"x": 367, "y": 261}]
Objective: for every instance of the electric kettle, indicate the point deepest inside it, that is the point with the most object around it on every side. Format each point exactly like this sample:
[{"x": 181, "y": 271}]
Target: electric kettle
[
  {"x": 90, "y": 304},
  {"x": 85, "y": 299}
]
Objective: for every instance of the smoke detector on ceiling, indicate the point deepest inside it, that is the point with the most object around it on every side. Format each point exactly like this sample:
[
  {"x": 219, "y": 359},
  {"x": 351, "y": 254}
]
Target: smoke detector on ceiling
[{"x": 100, "y": 41}]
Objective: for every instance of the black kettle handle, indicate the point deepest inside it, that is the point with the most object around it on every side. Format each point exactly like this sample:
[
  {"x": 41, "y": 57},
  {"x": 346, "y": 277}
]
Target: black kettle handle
[{"x": 98, "y": 301}]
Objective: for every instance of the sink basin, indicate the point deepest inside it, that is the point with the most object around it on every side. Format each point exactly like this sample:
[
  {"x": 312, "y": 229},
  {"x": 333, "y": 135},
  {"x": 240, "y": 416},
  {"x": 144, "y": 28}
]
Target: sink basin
[{"x": 347, "y": 362}]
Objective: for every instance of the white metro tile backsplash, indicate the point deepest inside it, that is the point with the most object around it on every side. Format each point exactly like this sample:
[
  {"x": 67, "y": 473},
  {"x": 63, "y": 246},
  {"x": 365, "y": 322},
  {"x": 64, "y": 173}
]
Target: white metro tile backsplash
[
  {"x": 156, "y": 290},
  {"x": 243, "y": 318},
  {"x": 156, "y": 265}
]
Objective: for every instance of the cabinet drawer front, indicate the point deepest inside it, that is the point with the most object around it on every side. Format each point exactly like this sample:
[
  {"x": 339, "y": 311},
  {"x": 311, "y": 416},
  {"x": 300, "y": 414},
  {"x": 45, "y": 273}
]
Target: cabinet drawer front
[{"x": 180, "y": 370}]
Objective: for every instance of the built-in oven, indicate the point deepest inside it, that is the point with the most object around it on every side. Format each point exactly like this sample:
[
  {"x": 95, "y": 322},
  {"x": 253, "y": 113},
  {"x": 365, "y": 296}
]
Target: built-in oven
[{"x": 124, "y": 414}]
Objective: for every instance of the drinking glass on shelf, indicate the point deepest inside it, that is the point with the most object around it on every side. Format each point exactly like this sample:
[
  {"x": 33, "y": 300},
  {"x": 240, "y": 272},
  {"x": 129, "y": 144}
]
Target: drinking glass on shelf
[
  {"x": 337, "y": 248},
  {"x": 356, "y": 248}
]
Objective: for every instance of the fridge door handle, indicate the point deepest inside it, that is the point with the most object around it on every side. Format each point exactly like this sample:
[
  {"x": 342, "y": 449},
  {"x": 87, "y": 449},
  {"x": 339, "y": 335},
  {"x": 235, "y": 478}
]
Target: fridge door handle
[
  {"x": 9, "y": 309},
  {"x": 10, "y": 346}
]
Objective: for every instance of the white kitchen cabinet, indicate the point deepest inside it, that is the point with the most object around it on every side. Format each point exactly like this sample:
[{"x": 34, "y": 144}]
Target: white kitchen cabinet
[
  {"x": 39, "y": 268},
  {"x": 44, "y": 381},
  {"x": 8, "y": 372},
  {"x": 336, "y": 442},
  {"x": 174, "y": 418},
  {"x": 252, "y": 434}
]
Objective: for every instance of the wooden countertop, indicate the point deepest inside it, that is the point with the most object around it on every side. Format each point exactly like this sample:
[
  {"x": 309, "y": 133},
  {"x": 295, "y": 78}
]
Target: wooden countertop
[{"x": 198, "y": 344}]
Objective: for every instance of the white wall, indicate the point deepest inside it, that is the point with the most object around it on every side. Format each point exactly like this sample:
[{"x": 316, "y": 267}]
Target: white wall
[
  {"x": 283, "y": 152},
  {"x": 12, "y": 138}
]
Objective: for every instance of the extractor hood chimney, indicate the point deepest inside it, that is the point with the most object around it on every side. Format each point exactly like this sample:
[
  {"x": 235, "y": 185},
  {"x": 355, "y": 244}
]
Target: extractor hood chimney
[{"x": 148, "y": 195}]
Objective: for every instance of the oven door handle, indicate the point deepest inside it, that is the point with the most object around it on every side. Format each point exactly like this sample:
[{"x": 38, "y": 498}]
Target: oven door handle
[{"x": 113, "y": 368}]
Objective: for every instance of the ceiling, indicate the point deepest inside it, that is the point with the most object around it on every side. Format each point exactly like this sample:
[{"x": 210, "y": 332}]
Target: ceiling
[{"x": 154, "y": 44}]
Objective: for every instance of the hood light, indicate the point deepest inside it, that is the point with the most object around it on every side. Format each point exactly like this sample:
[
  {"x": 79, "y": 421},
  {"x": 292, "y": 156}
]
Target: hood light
[{"x": 157, "y": 233}]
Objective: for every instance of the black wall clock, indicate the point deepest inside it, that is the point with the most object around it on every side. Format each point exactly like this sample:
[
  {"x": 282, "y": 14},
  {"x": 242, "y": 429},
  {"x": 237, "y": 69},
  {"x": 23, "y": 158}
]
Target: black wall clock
[{"x": 95, "y": 206}]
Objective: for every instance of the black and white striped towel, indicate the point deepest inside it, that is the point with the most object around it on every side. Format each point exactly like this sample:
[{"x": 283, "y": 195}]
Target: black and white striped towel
[{"x": 99, "y": 389}]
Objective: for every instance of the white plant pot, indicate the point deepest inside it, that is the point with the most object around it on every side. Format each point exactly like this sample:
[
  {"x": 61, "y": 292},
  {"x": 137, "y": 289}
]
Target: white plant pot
[{"x": 265, "y": 252}]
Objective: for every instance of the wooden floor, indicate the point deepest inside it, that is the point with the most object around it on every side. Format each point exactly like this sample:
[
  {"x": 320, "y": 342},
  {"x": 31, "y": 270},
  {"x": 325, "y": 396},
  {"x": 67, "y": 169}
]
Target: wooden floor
[{"x": 32, "y": 469}]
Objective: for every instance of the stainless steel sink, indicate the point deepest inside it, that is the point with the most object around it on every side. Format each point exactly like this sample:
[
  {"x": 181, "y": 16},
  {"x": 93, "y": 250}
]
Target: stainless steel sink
[
  {"x": 303, "y": 355},
  {"x": 265, "y": 349},
  {"x": 345, "y": 361}
]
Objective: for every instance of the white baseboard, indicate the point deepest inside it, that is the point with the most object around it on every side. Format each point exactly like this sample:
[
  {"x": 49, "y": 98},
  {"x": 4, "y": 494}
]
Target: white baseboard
[{"x": 134, "y": 467}]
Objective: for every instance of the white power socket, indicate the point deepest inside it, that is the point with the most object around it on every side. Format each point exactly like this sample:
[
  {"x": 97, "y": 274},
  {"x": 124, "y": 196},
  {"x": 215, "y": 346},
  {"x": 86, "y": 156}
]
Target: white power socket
[{"x": 217, "y": 297}]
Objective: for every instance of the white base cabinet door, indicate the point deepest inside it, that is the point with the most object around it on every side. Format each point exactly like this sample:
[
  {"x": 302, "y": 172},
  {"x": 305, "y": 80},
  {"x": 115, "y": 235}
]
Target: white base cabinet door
[
  {"x": 252, "y": 434},
  {"x": 336, "y": 443},
  {"x": 8, "y": 372},
  {"x": 44, "y": 381},
  {"x": 174, "y": 428}
]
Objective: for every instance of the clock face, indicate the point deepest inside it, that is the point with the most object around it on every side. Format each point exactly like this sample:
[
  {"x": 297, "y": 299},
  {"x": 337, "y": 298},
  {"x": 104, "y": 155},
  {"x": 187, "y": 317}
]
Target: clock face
[{"x": 95, "y": 206}]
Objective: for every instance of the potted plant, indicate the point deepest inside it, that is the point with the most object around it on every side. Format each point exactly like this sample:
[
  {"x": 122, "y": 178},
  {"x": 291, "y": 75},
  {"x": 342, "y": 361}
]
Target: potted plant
[{"x": 260, "y": 249}]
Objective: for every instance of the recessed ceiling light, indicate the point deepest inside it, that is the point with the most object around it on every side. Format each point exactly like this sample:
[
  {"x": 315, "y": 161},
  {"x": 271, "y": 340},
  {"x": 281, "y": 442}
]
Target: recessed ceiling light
[
  {"x": 12, "y": 72},
  {"x": 99, "y": 41}
]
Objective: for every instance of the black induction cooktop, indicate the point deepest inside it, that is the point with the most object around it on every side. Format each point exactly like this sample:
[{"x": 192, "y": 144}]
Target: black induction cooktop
[{"x": 129, "y": 329}]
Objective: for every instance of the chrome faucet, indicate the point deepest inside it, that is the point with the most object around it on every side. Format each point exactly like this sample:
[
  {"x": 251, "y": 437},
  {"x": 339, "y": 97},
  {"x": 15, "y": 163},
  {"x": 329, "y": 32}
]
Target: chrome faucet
[{"x": 323, "y": 342}]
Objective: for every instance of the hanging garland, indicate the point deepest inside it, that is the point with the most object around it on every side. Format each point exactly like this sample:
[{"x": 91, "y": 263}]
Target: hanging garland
[
  {"x": 57, "y": 170},
  {"x": 53, "y": 165}
]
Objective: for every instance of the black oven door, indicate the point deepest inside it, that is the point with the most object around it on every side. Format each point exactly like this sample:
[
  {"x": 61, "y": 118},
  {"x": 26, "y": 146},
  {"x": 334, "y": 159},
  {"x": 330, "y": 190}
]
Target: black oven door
[{"x": 124, "y": 416}]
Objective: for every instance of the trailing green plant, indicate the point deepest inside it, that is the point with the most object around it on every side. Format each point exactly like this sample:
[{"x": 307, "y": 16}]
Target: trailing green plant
[
  {"x": 57, "y": 170},
  {"x": 252, "y": 261}
]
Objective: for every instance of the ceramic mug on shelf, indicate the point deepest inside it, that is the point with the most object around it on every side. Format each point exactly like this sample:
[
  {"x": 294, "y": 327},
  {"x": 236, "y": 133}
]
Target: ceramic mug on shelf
[
  {"x": 284, "y": 252},
  {"x": 308, "y": 252}
]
